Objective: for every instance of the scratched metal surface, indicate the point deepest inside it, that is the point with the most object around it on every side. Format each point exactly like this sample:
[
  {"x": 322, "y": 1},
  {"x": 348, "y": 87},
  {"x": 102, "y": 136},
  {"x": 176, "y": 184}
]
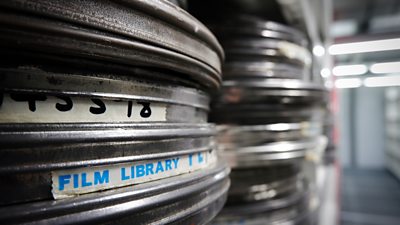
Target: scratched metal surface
[
  {"x": 268, "y": 82},
  {"x": 261, "y": 68},
  {"x": 140, "y": 33},
  {"x": 266, "y": 63},
  {"x": 112, "y": 51},
  {"x": 292, "y": 208},
  {"x": 157, "y": 22},
  {"x": 30, "y": 153},
  {"x": 271, "y": 50},
  {"x": 263, "y": 183},
  {"x": 253, "y": 26},
  {"x": 270, "y": 153},
  {"x": 247, "y": 146},
  {"x": 248, "y": 135},
  {"x": 262, "y": 51},
  {"x": 182, "y": 104},
  {"x": 174, "y": 199},
  {"x": 259, "y": 114},
  {"x": 261, "y": 91}
]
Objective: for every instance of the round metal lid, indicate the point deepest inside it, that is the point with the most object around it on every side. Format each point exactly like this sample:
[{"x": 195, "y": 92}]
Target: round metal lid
[
  {"x": 268, "y": 206},
  {"x": 285, "y": 84},
  {"x": 255, "y": 27},
  {"x": 33, "y": 155},
  {"x": 267, "y": 50},
  {"x": 147, "y": 21},
  {"x": 69, "y": 140},
  {"x": 286, "y": 91},
  {"x": 255, "y": 114},
  {"x": 296, "y": 214},
  {"x": 247, "y": 135},
  {"x": 269, "y": 153},
  {"x": 248, "y": 69},
  {"x": 77, "y": 97},
  {"x": 180, "y": 198},
  {"x": 262, "y": 183},
  {"x": 296, "y": 208},
  {"x": 125, "y": 32}
]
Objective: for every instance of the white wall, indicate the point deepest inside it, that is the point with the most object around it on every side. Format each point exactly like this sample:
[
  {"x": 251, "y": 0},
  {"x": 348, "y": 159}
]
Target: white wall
[
  {"x": 370, "y": 132},
  {"x": 361, "y": 124},
  {"x": 343, "y": 119}
]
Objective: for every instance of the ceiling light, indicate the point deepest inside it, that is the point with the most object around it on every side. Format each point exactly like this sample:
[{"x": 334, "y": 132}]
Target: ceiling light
[
  {"x": 318, "y": 50},
  {"x": 365, "y": 46},
  {"x": 346, "y": 70},
  {"x": 383, "y": 81},
  {"x": 348, "y": 83},
  {"x": 325, "y": 72},
  {"x": 387, "y": 67},
  {"x": 328, "y": 84}
]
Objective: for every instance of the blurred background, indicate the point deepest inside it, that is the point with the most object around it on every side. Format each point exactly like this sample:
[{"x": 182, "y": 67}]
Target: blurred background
[
  {"x": 356, "y": 53},
  {"x": 366, "y": 66}
]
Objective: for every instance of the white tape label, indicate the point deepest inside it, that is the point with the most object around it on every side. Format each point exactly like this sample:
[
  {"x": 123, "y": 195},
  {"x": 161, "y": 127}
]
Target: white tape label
[
  {"x": 294, "y": 51},
  {"x": 39, "y": 108},
  {"x": 68, "y": 183}
]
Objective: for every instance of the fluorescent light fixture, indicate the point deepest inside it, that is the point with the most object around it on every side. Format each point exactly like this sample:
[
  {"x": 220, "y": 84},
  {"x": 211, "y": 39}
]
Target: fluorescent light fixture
[
  {"x": 328, "y": 84},
  {"x": 318, "y": 50},
  {"x": 387, "y": 67},
  {"x": 348, "y": 83},
  {"x": 325, "y": 72},
  {"x": 383, "y": 81},
  {"x": 365, "y": 46},
  {"x": 346, "y": 70}
]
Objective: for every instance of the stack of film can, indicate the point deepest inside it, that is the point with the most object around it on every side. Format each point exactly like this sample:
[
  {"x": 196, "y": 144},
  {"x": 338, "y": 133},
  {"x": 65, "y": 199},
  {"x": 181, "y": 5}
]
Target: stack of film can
[
  {"x": 270, "y": 116},
  {"x": 103, "y": 114}
]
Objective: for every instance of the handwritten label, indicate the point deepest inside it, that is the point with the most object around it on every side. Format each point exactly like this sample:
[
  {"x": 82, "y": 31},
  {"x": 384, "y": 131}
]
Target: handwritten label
[
  {"x": 68, "y": 183},
  {"x": 40, "y": 108}
]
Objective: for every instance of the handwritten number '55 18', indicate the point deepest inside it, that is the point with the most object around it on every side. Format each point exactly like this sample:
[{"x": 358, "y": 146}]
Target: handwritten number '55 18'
[{"x": 67, "y": 104}]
